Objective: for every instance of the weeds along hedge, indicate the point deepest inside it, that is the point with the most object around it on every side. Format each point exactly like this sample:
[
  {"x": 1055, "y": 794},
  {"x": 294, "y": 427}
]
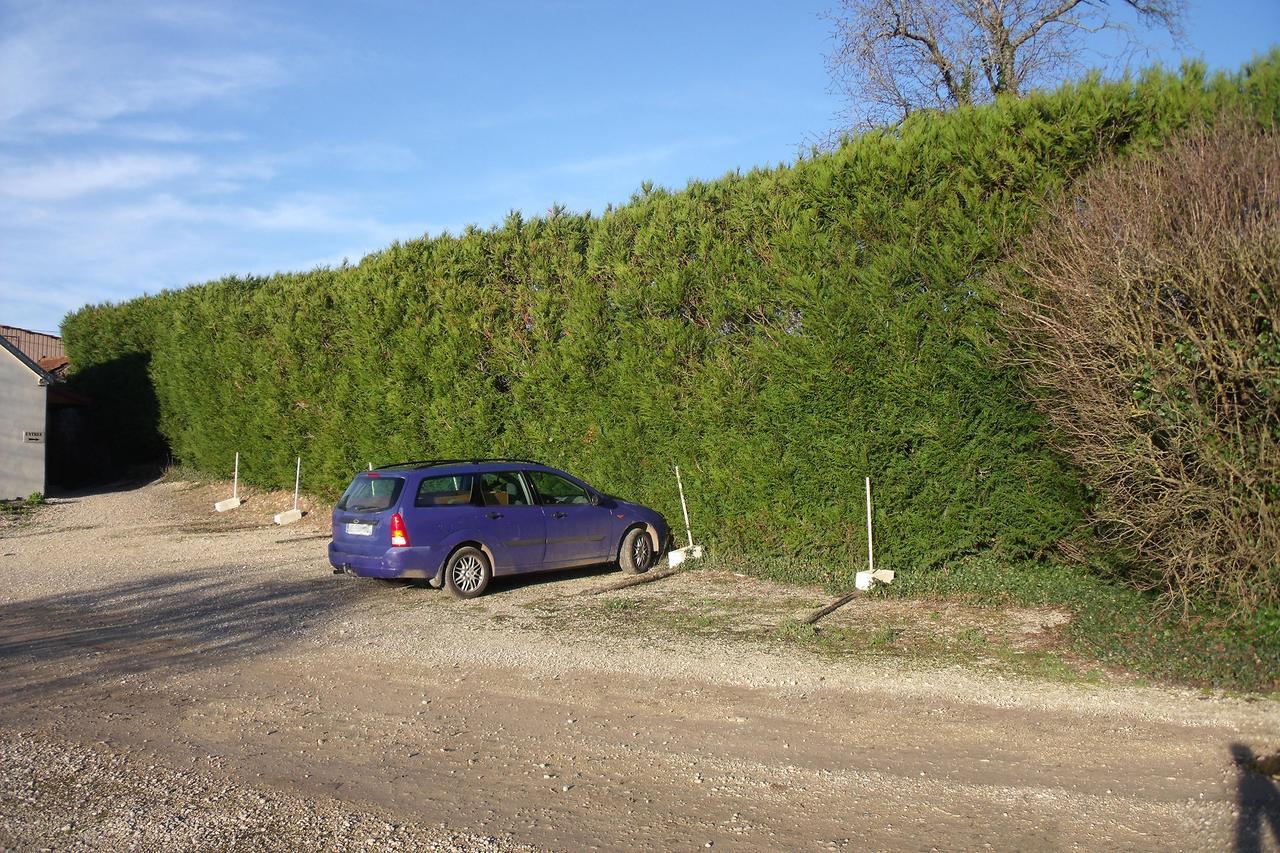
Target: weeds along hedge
[
  {"x": 779, "y": 334},
  {"x": 1145, "y": 314}
]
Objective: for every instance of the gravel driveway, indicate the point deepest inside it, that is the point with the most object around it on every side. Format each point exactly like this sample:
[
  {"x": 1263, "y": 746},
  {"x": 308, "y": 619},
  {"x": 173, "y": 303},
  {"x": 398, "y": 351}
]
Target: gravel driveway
[{"x": 176, "y": 679}]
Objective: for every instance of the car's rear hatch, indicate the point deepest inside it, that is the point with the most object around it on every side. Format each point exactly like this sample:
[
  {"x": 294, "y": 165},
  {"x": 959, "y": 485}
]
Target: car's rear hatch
[{"x": 362, "y": 518}]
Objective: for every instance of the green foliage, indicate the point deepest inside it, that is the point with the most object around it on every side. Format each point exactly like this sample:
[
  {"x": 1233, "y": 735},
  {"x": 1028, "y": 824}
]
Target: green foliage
[
  {"x": 112, "y": 348},
  {"x": 20, "y": 511},
  {"x": 779, "y": 334},
  {"x": 794, "y": 629}
]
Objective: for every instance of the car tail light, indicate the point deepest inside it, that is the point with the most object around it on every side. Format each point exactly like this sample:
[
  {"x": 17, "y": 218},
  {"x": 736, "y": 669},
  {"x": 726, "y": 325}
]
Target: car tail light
[{"x": 399, "y": 536}]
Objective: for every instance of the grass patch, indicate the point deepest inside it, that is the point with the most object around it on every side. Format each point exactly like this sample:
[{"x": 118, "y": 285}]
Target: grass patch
[
  {"x": 696, "y": 622},
  {"x": 1116, "y": 626},
  {"x": 794, "y": 629},
  {"x": 1113, "y": 629},
  {"x": 181, "y": 472},
  {"x": 972, "y": 649},
  {"x": 887, "y": 635},
  {"x": 1113, "y": 626},
  {"x": 1049, "y": 665},
  {"x": 20, "y": 512}
]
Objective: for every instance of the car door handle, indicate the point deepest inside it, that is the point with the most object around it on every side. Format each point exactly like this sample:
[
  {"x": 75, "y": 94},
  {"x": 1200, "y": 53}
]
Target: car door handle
[
  {"x": 558, "y": 514},
  {"x": 494, "y": 514}
]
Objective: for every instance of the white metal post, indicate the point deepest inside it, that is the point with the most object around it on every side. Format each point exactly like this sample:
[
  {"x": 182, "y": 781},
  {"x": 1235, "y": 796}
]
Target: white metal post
[
  {"x": 871, "y": 559},
  {"x": 233, "y": 501},
  {"x": 297, "y": 480},
  {"x": 684, "y": 509}
]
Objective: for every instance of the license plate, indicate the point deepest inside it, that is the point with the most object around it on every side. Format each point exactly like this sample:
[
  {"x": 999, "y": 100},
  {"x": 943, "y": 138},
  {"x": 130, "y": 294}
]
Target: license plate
[{"x": 357, "y": 528}]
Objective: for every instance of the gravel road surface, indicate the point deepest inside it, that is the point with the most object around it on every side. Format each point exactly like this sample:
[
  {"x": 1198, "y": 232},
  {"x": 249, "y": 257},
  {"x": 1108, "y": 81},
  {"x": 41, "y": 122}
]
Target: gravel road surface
[{"x": 175, "y": 679}]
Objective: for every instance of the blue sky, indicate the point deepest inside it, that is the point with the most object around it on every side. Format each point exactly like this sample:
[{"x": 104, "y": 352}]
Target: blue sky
[{"x": 151, "y": 145}]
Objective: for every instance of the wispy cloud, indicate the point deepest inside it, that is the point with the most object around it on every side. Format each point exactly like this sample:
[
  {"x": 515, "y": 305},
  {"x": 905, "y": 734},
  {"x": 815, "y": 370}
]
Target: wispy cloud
[
  {"x": 623, "y": 160},
  {"x": 370, "y": 157},
  {"x": 171, "y": 133},
  {"x": 303, "y": 213},
  {"x": 65, "y": 179},
  {"x": 625, "y": 168},
  {"x": 165, "y": 241},
  {"x": 70, "y": 68}
]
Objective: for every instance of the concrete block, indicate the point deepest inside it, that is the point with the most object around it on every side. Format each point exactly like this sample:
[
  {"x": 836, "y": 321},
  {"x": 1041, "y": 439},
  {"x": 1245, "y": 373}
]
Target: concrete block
[
  {"x": 865, "y": 580},
  {"x": 229, "y": 503}
]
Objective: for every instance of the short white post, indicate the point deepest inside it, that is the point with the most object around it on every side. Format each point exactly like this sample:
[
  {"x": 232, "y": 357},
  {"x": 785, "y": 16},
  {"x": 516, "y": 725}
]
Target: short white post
[
  {"x": 871, "y": 550},
  {"x": 289, "y": 516},
  {"x": 865, "y": 580},
  {"x": 691, "y": 551},
  {"x": 683, "y": 508},
  {"x": 233, "y": 501}
]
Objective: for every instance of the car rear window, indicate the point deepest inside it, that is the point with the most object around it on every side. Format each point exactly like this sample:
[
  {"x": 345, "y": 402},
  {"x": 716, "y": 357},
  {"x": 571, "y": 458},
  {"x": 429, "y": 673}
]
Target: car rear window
[
  {"x": 448, "y": 490},
  {"x": 371, "y": 492}
]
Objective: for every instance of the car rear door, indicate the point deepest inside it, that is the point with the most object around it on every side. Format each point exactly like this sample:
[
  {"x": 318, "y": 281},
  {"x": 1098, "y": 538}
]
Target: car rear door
[
  {"x": 577, "y": 531},
  {"x": 443, "y": 506}
]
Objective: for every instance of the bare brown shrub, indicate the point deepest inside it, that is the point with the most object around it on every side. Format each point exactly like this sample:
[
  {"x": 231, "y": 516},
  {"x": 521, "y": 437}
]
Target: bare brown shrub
[{"x": 1143, "y": 309}]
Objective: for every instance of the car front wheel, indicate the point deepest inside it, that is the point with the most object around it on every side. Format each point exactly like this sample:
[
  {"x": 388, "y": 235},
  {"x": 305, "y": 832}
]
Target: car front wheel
[
  {"x": 635, "y": 555},
  {"x": 467, "y": 573}
]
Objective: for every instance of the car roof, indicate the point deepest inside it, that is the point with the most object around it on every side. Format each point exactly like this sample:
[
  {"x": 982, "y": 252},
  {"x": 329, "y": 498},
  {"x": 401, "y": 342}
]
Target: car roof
[{"x": 454, "y": 466}]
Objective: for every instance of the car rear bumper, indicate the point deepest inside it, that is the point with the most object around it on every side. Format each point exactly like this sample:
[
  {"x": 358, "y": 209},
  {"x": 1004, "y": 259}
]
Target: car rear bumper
[{"x": 393, "y": 563}]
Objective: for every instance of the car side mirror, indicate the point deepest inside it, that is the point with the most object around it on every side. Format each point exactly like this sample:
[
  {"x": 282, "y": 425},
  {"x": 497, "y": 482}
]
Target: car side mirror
[{"x": 595, "y": 499}]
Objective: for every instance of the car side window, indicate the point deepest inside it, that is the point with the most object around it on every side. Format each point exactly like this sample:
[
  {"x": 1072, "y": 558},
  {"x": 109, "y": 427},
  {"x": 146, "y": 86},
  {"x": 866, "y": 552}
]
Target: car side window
[
  {"x": 553, "y": 489},
  {"x": 504, "y": 488},
  {"x": 449, "y": 490}
]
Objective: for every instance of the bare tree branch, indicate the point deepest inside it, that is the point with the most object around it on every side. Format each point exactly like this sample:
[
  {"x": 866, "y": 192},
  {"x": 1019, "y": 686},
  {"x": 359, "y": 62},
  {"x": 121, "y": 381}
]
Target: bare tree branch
[
  {"x": 895, "y": 56},
  {"x": 1058, "y": 14}
]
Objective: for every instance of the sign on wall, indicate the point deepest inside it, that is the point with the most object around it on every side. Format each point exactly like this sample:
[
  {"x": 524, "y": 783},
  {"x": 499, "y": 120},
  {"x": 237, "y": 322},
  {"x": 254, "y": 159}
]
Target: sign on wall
[{"x": 33, "y": 437}]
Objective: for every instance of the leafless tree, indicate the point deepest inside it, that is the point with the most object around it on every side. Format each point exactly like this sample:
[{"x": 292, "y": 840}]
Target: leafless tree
[{"x": 895, "y": 56}]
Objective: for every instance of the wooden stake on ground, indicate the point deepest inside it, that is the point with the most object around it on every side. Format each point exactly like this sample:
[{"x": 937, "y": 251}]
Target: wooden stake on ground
[{"x": 830, "y": 608}]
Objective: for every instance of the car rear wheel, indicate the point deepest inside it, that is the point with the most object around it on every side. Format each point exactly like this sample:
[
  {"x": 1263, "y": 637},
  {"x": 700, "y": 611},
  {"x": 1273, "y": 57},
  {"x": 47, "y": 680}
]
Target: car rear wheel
[
  {"x": 635, "y": 554},
  {"x": 467, "y": 573}
]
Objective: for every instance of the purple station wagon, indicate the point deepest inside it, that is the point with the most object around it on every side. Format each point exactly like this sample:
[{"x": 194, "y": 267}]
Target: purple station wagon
[{"x": 458, "y": 524}]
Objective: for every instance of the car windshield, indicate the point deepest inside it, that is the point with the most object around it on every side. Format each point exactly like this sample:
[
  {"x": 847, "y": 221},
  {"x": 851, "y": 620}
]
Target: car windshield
[{"x": 371, "y": 492}]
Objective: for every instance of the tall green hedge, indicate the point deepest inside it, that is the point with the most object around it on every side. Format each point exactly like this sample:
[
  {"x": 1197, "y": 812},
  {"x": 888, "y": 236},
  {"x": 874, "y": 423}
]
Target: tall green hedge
[{"x": 779, "y": 334}]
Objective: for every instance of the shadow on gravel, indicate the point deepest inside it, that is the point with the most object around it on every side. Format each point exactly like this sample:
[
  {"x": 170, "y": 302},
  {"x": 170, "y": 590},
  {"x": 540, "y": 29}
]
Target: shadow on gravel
[
  {"x": 1257, "y": 799},
  {"x": 165, "y": 624},
  {"x": 510, "y": 583},
  {"x": 144, "y": 476}
]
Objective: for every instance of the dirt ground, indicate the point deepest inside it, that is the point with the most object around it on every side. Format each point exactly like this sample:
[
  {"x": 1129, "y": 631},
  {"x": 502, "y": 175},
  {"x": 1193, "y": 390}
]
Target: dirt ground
[{"x": 172, "y": 678}]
